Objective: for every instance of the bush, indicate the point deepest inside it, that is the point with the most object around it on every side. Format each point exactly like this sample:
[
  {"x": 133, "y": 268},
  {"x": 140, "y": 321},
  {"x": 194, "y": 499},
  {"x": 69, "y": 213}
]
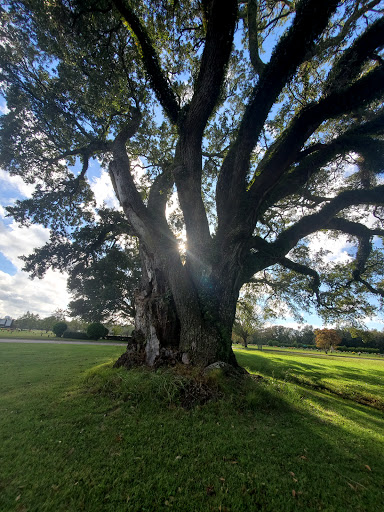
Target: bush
[
  {"x": 343, "y": 348},
  {"x": 96, "y": 331},
  {"x": 76, "y": 335},
  {"x": 59, "y": 328}
]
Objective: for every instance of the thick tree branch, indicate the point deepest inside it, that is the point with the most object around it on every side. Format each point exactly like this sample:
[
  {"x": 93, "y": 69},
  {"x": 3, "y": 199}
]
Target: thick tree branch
[
  {"x": 353, "y": 228},
  {"x": 285, "y": 151},
  {"x": 306, "y": 271},
  {"x": 348, "y": 66},
  {"x": 159, "y": 194},
  {"x": 363, "y": 253},
  {"x": 358, "y": 139},
  {"x": 312, "y": 223},
  {"x": 214, "y": 61},
  {"x": 252, "y": 12},
  {"x": 151, "y": 62},
  {"x": 311, "y": 19},
  {"x": 123, "y": 184},
  {"x": 349, "y": 23},
  {"x": 188, "y": 168}
]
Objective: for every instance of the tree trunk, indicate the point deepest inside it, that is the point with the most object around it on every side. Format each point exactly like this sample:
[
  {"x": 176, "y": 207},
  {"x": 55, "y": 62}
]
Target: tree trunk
[{"x": 176, "y": 324}]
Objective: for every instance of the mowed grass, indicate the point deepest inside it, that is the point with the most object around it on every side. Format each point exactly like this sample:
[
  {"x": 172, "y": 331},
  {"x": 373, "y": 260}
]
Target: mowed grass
[
  {"x": 36, "y": 334},
  {"x": 360, "y": 379},
  {"x": 79, "y": 435},
  {"x": 26, "y": 334}
]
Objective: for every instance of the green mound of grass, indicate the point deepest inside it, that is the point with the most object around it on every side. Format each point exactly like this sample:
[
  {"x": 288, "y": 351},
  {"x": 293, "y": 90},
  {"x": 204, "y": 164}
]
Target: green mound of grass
[{"x": 80, "y": 435}]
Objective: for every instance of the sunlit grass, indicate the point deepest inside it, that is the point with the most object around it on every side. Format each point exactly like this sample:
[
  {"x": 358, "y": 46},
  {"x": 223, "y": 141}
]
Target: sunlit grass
[
  {"x": 361, "y": 380},
  {"x": 25, "y": 334},
  {"x": 79, "y": 435}
]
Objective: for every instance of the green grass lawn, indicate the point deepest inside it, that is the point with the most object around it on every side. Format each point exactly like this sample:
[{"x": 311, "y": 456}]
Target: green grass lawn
[
  {"x": 36, "y": 334},
  {"x": 78, "y": 435},
  {"x": 361, "y": 379},
  {"x": 26, "y": 334}
]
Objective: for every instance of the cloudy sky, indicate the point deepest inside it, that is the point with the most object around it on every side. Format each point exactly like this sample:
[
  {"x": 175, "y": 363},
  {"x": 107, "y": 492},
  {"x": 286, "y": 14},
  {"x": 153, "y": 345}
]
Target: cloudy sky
[{"x": 18, "y": 293}]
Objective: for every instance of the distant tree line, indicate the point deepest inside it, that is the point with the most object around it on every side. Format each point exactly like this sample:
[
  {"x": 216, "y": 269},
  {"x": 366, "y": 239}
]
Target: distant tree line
[
  {"x": 33, "y": 321},
  {"x": 278, "y": 335}
]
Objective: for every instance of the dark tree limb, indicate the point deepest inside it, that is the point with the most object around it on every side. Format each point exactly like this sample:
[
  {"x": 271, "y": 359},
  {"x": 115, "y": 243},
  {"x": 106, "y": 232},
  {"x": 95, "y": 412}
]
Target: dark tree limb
[
  {"x": 353, "y": 228},
  {"x": 306, "y": 271},
  {"x": 349, "y": 23},
  {"x": 159, "y": 194},
  {"x": 309, "y": 161},
  {"x": 218, "y": 44},
  {"x": 252, "y": 12},
  {"x": 151, "y": 62},
  {"x": 311, "y": 19},
  {"x": 286, "y": 149},
  {"x": 348, "y": 66},
  {"x": 363, "y": 253},
  {"x": 311, "y": 223},
  {"x": 123, "y": 184}
]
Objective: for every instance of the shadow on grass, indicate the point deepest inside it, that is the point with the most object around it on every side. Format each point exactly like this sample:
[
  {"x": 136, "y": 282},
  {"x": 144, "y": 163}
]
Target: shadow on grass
[{"x": 358, "y": 384}]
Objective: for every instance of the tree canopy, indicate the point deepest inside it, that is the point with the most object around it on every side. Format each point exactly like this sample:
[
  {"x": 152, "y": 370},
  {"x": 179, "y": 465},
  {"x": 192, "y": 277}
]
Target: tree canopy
[
  {"x": 184, "y": 101},
  {"x": 327, "y": 339}
]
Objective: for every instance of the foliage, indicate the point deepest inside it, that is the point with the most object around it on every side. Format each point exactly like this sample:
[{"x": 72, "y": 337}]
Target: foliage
[
  {"x": 366, "y": 350},
  {"x": 96, "y": 330},
  {"x": 103, "y": 266},
  {"x": 76, "y": 335},
  {"x": 327, "y": 339},
  {"x": 246, "y": 321},
  {"x": 259, "y": 153},
  {"x": 59, "y": 328},
  {"x": 27, "y": 321}
]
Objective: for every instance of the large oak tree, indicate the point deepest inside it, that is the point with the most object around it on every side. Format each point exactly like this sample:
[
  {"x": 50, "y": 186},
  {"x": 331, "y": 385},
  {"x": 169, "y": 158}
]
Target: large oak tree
[{"x": 183, "y": 101}]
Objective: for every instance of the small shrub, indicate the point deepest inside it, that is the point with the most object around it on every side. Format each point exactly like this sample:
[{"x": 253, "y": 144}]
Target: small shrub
[
  {"x": 354, "y": 350},
  {"x": 96, "y": 331},
  {"x": 59, "y": 328},
  {"x": 76, "y": 335}
]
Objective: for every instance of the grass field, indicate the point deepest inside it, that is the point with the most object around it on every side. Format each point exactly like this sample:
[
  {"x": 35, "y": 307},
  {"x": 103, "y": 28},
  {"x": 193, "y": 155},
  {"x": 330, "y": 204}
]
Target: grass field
[
  {"x": 360, "y": 379},
  {"x": 40, "y": 335},
  {"x": 78, "y": 435},
  {"x": 26, "y": 334}
]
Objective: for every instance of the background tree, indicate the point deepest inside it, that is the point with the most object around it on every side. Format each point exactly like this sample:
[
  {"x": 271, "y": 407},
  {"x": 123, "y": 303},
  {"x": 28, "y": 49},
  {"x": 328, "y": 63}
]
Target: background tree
[
  {"x": 103, "y": 265},
  {"x": 96, "y": 331},
  {"x": 261, "y": 154},
  {"x": 59, "y": 328},
  {"x": 28, "y": 321},
  {"x": 327, "y": 339},
  {"x": 246, "y": 321}
]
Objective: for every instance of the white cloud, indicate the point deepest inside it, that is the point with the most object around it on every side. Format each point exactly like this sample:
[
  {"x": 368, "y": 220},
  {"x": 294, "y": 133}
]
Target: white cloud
[
  {"x": 338, "y": 248},
  {"x": 17, "y": 241},
  {"x": 4, "y": 109},
  {"x": 103, "y": 189},
  {"x": 18, "y": 293},
  {"x": 16, "y": 185}
]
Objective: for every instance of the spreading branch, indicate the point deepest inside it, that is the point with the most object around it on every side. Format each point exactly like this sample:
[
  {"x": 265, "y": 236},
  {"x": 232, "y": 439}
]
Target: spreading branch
[
  {"x": 310, "y": 21},
  {"x": 214, "y": 61},
  {"x": 252, "y": 11},
  {"x": 320, "y": 220},
  {"x": 306, "y": 271},
  {"x": 285, "y": 151},
  {"x": 151, "y": 62}
]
